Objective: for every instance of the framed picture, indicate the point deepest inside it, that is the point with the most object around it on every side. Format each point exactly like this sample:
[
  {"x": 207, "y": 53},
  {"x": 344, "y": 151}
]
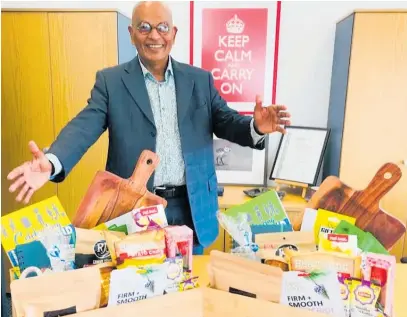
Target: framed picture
[
  {"x": 237, "y": 164},
  {"x": 300, "y": 154},
  {"x": 236, "y": 42}
]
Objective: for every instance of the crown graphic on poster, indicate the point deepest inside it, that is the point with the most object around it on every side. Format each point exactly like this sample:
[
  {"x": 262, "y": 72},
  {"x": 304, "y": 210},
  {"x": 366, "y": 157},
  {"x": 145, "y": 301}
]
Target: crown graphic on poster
[{"x": 235, "y": 25}]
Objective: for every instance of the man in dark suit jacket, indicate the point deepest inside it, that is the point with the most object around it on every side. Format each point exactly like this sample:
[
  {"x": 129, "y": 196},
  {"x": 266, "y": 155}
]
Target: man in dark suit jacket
[{"x": 154, "y": 102}]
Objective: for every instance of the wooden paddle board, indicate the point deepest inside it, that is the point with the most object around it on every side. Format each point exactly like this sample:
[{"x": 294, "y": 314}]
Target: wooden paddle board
[
  {"x": 333, "y": 195},
  {"x": 110, "y": 196}
]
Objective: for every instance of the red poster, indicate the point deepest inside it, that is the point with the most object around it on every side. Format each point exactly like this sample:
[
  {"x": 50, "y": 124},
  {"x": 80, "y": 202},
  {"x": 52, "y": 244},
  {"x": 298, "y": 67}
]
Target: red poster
[{"x": 234, "y": 50}]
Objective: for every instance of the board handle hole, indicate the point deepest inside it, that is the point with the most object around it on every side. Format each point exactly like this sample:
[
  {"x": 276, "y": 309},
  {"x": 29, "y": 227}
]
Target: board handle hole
[{"x": 387, "y": 175}]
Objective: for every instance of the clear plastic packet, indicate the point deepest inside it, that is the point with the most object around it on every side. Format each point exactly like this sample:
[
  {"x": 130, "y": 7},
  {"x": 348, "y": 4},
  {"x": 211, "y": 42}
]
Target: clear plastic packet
[
  {"x": 239, "y": 229},
  {"x": 245, "y": 252},
  {"x": 60, "y": 246}
]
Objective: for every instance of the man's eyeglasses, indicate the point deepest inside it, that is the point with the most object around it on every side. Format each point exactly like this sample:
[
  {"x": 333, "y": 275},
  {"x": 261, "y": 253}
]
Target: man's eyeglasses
[{"x": 146, "y": 28}]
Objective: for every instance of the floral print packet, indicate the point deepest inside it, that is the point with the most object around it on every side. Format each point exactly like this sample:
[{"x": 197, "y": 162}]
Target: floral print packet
[{"x": 318, "y": 291}]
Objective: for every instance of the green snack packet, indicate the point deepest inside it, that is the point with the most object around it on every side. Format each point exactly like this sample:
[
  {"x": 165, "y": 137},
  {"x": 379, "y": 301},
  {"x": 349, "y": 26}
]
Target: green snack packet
[
  {"x": 371, "y": 244},
  {"x": 345, "y": 227},
  {"x": 366, "y": 241},
  {"x": 122, "y": 228}
]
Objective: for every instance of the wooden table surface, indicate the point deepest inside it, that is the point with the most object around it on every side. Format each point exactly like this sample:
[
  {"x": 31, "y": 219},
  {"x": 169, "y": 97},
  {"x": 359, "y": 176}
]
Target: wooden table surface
[{"x": 199, "y": 268}]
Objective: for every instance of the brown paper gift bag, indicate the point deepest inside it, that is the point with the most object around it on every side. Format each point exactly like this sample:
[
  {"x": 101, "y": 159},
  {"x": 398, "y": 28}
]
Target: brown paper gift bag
[
  {"x": 59, "y": 304},
  {"x": 277, "y": 242},
  {"x": 242, "y": 276},
  {"x": 110, "y": 196},
  {"x": 43, "y": 290},
  {"x": 198, "y": 303},
  {"x": 178, "y": 304},
  {"x": 272, "y": 246},
  {"x": 218, "y": 303}
]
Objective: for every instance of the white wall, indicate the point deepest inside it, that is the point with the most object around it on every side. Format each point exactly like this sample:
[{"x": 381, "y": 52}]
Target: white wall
[
  {"x": 305, "y": 57},
  {"x": 306, "y": 48}
]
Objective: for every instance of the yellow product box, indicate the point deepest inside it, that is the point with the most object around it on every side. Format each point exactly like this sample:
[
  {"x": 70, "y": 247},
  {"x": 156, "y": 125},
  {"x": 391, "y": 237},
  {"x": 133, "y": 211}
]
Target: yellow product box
[
  {"x": 23, "y": 226},
  {"x": 326, "y": 222},
  {"x": 342, "y": 243}
]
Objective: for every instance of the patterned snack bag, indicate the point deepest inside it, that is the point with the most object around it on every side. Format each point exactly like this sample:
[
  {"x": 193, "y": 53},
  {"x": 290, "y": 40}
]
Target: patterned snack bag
[
  {"x": 345, "y": 284},
  {"x": 363, "y": 298}
]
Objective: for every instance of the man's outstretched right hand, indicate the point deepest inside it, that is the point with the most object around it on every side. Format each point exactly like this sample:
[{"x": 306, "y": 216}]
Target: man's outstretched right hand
[{"x": 31, "y": 175}]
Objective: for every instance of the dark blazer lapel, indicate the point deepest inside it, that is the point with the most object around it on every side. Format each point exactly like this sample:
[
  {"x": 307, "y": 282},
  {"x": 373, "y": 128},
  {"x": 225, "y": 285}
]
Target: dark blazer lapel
[
  {"x": 184, "y": 86},
  {"x": 133, "y": 79}
]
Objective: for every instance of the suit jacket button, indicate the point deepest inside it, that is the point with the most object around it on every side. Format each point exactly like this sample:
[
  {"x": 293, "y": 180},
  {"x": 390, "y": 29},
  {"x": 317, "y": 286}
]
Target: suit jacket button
[{"x": 153, "y": 134}]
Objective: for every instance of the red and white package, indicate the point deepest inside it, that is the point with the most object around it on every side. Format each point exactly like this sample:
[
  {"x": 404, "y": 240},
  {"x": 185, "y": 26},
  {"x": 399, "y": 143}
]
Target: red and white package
[{"x": 179, "y": 241}]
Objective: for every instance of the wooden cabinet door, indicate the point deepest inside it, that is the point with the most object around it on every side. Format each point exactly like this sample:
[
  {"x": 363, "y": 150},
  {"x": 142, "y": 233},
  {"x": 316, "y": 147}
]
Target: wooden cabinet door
[
  {"x": 26, "y": 98},
  {"x": 375, "y": 130},
  {"x": 81, "y": 43},
  {"x": 26, "y": 102}
]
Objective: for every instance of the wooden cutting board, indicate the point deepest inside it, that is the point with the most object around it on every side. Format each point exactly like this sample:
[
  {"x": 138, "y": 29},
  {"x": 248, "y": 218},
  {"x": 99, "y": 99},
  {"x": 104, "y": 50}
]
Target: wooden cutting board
[
  {"x": 110, "y": 196},
  {"x": 333, "y": 195}
]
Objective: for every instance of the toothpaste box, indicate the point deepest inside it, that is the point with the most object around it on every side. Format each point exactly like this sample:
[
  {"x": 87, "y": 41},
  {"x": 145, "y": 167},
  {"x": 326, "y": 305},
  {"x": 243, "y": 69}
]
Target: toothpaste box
[{"x": 179, "y": 241}]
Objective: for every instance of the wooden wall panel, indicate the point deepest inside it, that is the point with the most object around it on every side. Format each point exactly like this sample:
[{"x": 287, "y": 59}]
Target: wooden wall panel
[
  {"x": 26, "y": 98},
  {"x": 375, "y": 128},
  {"x": 81, "y": 43},
  {"x": 26, "y": 102}
]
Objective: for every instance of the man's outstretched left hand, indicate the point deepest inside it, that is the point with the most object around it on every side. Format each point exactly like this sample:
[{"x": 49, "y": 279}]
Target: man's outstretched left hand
[{"x": 270, "y": 119}]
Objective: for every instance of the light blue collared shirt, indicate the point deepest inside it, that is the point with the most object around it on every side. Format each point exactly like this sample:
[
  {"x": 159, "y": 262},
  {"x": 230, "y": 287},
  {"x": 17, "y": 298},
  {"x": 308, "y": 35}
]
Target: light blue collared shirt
[{"x": 162, "y": 95}]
